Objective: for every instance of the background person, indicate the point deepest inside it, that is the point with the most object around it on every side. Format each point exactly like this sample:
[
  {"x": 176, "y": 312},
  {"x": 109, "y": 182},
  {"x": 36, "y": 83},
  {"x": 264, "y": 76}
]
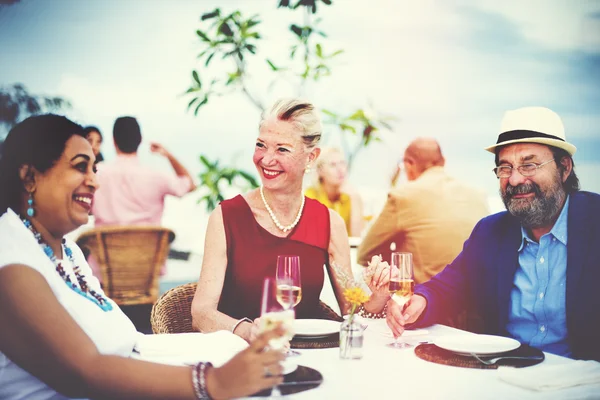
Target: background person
[
  {"x": 332, "y": 189},
  {"x": 430, "y": 216},
  {"x": 61, "y": 336},
  {"x": 94, "y": 136},
  {"x": 246, "y": 234},
  {"x": 133, "y": 193},
  {"x": 529, "y": 272}
]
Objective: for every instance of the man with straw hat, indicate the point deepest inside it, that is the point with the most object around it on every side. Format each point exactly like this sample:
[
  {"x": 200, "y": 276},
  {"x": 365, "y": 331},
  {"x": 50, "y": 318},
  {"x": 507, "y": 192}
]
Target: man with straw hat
[{"x": 530, "y": 272}]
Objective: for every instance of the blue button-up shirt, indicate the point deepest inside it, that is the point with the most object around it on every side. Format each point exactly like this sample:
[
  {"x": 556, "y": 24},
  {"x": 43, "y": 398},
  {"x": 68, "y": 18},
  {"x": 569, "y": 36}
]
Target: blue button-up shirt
[{"x": 537, "y": 314}]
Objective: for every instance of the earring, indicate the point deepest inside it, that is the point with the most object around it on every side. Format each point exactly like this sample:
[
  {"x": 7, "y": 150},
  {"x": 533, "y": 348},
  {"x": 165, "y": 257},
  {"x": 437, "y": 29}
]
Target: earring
[
  {"x": 307, "y": 169},
  {"x": 30, "y": 210}
]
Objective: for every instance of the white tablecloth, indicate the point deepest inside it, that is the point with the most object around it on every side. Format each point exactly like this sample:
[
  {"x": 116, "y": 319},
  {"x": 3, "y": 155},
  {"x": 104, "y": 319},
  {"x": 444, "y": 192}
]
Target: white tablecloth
[{"x": 385, "y": 372}]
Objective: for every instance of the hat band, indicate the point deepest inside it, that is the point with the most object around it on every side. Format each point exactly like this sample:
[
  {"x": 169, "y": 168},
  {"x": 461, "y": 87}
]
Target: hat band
[{"x": 523, "y": 134}]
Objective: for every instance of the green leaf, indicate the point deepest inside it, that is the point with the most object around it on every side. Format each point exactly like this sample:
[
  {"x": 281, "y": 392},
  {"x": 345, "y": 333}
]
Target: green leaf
[
  {"x": 319, "y": 50},
  {"x": 192, "y": 102},
  {"x": 296, "y": 29},
  {"x": 346, "y": 127},
  {"x": 196, "y": 78},
  {"x": 251, "y": 48},
  {"x": 209, "y": 58},
  {"x": 225, "y": 29},
  {"x": 273, "y": 67},
  {"x": 335, "y": 53},
  {"x": 330, "y": 113},
  {"x": 252, "y": 22},
  {"x": 328, "y": 2},
  {"x": 202, "y": 35},
  {"x": 210, "y": 15}
]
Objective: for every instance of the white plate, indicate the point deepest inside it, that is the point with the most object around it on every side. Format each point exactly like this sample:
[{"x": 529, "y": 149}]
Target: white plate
[
  {"x": 477, "y": 344},
  {"x": 315, "y": 328},
  {"x": 289, "y": 367}
]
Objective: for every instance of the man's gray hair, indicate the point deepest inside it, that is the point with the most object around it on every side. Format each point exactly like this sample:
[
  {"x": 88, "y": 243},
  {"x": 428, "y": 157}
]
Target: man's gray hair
[{"x": 303, "y": 114}]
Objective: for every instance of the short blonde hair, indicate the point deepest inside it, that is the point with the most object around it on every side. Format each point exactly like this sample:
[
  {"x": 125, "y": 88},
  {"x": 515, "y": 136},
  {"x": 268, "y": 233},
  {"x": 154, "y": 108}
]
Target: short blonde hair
[
  {"x": 326, "y": 152},
  {"x": 303, "y": 114}
]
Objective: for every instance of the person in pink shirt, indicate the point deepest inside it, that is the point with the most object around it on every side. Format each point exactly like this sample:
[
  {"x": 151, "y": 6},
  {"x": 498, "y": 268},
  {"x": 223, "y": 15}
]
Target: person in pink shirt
[{"x": 132, "y": 193}]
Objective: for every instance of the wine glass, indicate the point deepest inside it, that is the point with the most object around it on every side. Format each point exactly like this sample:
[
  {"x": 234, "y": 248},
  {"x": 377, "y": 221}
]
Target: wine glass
[
  {"x": 288, "y": 281},
  {"x": 273, "y": 313},
  {"x": 402, "y": 286}
]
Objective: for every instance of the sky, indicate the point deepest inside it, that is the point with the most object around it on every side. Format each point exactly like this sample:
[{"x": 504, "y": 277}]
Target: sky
[{"x": 445, "y": 69}]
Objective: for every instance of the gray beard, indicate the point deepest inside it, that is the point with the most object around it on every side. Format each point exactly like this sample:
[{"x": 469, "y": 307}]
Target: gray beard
[{"x": 538, "y": 212}]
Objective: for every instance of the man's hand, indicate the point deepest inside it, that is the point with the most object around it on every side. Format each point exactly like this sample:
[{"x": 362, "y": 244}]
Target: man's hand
[
  {"x": 158, "y": 149},
  {"x": 397, "y": 317}
]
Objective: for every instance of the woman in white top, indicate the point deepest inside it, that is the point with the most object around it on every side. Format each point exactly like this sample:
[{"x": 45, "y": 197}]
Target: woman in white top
[{"x": 60, "y": 335}]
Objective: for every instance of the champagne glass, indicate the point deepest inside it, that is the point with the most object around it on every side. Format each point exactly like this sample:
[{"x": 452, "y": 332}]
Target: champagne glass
[
  {"x": 273, "y": 313},
  {"x": 402, "y": 286},
  {"x": 288, "y": 281}
]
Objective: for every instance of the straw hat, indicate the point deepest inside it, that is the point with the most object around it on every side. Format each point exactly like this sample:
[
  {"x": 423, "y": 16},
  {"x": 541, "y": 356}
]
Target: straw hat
[{"x": 533, "y": 125}]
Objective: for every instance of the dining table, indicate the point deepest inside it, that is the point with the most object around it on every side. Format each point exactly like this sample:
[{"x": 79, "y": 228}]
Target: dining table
[
  {"x": 382, "y": 372},
  {"x": 385, "y": 372}
]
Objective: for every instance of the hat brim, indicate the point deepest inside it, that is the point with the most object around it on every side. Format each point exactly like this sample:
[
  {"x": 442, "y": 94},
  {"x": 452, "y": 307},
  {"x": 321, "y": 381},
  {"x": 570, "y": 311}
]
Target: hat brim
[{"x": 568, "y": 147}]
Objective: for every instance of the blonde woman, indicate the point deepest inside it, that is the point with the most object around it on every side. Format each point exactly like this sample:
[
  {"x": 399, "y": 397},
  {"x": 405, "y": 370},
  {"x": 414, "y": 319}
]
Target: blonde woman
[
  {"x": 246, "y": 234},
  {"x": 333, "y": 191}
]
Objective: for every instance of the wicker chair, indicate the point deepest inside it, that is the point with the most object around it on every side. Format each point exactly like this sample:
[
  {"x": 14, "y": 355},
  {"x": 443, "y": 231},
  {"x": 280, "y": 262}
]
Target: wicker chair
[
  {"x": 130, "y": 259},
  {"x": 172, "y": 313}
]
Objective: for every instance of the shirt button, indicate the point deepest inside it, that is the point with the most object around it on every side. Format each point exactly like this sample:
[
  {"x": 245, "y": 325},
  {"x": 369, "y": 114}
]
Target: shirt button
[
  {"x": 542, "y": 260},
  {"x": 542, "y": 328},
  {"x": 541, "y": 295},
  {"x": 554, "y": 239}
]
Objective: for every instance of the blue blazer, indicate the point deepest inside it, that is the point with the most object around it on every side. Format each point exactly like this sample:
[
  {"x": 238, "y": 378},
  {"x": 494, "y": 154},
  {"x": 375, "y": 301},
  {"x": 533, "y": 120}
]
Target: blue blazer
[{"x": 481, "y": 277}]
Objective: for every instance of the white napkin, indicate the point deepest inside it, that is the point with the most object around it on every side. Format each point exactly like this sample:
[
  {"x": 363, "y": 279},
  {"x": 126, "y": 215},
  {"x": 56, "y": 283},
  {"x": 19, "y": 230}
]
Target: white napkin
[
  {"x": 552, "y": 377},
  {"x": 380, "y": 326},
  {"x": 189, "y": 348}
]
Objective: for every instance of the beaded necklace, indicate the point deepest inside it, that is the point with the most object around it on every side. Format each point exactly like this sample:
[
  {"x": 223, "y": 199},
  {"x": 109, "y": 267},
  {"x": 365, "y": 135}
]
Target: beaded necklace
[
  {"x": 83, "y": 289},
  {"x": 274, "y": 217}
]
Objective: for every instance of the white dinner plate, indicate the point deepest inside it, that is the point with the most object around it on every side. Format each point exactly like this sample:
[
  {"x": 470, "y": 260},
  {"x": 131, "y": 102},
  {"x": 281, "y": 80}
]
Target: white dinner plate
[
  {"x": 477, "y": 344},
  {"x": 289, "y": 367},
  {"x": 315, "y": 328}
]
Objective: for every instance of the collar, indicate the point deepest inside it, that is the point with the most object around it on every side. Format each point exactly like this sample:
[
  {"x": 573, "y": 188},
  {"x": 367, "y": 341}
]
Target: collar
[{"x": 559, "y": 230}]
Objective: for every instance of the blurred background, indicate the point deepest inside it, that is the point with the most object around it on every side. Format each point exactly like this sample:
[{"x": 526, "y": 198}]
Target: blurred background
[{"x": 385, "y": 72}]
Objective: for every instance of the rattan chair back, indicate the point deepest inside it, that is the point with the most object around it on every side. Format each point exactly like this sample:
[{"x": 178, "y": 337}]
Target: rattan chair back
[
  {"x": 129, "y": 259},
  {"x": 172, "y": 313}
]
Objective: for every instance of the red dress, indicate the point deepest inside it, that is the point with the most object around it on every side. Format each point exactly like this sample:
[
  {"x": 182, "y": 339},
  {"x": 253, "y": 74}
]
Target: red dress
[{"x": 252, "y": 255}]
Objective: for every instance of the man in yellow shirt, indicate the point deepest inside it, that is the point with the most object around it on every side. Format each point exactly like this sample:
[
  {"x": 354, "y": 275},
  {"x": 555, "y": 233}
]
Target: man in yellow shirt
[{"x": 430, "y": 216}]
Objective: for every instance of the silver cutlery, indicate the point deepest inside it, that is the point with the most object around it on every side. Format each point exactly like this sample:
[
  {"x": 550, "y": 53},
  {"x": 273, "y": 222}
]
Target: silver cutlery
[
  {"x": 300, "y": 383},
  {"x": 494, "y": 360}
]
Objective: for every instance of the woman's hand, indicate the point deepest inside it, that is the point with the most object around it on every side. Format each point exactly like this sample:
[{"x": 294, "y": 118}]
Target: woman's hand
[
  {"x": 250, "y": 371},
  {"x": 377, "y": 276}
]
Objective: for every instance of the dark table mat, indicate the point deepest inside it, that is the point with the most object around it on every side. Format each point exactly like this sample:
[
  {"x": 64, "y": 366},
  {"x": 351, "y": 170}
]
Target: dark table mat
[
  {"x": 432, "y": 353},
  {"x": 325, "y": 342},
  {"x": 301, "y": 374}
]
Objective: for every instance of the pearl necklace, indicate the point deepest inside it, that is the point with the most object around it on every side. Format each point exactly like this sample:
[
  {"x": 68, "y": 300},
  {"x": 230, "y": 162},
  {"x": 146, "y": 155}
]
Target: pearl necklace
[
  {"x": 83, "y": 290},
  {"x": 274, "y": 218}
]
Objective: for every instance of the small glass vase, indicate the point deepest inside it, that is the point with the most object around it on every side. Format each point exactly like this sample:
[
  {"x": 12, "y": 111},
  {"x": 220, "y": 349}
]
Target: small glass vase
[{"x": 351, "y": 339}]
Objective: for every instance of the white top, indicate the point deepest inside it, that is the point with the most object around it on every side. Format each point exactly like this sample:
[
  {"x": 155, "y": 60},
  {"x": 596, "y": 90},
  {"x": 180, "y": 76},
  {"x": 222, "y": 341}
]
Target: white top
[{"x": 111, "y": 331}]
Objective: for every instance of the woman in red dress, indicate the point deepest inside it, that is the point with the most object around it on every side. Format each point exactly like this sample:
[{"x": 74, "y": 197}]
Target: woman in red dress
[{"x": 246, "y": 234}]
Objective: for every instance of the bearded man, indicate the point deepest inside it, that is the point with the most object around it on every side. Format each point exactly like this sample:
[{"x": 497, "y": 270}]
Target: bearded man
[{"x": 530, "y": 272}]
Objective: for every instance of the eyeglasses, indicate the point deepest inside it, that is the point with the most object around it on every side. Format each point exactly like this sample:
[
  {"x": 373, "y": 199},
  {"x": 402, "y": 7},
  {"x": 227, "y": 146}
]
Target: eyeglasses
[{"x": 505, "y": 171}]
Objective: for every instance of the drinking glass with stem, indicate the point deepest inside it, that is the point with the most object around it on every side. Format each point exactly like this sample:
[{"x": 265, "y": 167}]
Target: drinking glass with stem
[
  {"x": 289, "y": 287},
  {"x": 401, "y": 286},
  {"x": 273, "y": 313}
]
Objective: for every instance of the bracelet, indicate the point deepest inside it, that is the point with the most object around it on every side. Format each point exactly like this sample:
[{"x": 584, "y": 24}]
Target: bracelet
[
  {"x": 199, "y": 380},
  {"x": 365, "y": 314},
  {"x": 245, "y": 319}
]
